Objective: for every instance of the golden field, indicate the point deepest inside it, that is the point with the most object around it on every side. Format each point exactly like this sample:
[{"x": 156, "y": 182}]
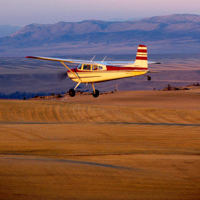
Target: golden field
[{"x": 125, "y": 145}]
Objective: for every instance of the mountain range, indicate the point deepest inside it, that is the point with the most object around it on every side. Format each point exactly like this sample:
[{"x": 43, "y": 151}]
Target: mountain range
[
  {"x": 6, "y": 30},
  {"x": 178, "y": 33}
]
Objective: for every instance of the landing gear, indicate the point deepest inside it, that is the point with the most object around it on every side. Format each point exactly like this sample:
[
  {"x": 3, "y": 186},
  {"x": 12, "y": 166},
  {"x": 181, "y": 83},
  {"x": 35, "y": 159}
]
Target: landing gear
[
  {"x": 72, "y": 92},
  {"x": 96, "y": 93},
  {"x": 148, "y": 78}
]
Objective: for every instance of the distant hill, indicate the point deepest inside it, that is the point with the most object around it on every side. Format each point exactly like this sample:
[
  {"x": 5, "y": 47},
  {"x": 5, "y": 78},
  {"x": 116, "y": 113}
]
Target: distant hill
[
  {"x": 6, "y": 30},
  {"x": 169, "y": 33}
]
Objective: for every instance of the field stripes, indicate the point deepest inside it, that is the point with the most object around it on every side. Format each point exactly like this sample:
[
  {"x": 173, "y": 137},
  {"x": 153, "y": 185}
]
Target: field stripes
[
  {"x": 58, "y": 112},
  {"x": 107, "y": 123}
]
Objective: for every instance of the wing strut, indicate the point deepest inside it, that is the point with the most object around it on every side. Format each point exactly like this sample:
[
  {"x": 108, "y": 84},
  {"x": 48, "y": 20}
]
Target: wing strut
[{"x": 71, "y": 71}]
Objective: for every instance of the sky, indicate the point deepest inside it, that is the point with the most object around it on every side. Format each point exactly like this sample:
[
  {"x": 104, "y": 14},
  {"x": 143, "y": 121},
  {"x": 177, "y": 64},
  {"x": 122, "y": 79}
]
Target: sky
[{"x": 24, "y": 12}]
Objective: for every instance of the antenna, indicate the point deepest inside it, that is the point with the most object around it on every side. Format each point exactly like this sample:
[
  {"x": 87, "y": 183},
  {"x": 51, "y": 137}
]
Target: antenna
[
  {"x": 92, "y": 58},
  {"x": 104, "y": 58}
]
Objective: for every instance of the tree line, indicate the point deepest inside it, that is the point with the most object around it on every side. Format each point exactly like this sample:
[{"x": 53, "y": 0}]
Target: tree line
[{"x": 24, "y": 95}]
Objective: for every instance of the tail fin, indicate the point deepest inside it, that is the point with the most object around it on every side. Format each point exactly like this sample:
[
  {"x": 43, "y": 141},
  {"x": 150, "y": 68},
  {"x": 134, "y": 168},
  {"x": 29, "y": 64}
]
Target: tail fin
[{"x": 141, "y": 57}]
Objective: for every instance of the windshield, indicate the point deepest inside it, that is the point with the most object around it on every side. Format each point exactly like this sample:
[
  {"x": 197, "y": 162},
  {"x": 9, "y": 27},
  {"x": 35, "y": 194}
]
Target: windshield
[{"x": 79, "y": 67}]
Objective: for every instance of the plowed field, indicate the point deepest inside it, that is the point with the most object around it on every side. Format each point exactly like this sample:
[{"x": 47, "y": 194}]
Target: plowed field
[{"x": 126, "y": 145}]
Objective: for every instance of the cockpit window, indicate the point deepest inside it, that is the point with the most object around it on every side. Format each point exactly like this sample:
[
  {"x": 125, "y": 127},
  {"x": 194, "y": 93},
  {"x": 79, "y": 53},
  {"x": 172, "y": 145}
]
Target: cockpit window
[
  {"x": 94, "y": 67},
  {"x": 86, "y": 67},
  {"x": 90, "y": 67}
]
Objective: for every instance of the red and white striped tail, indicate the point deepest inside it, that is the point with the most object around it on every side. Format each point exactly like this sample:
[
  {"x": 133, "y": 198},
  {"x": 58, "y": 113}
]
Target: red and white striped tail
[{"x": 141, "y": 57}]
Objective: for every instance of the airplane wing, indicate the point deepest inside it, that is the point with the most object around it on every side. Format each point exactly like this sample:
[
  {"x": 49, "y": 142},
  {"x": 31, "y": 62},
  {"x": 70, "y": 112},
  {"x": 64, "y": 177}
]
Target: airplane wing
[
  {"x": 122, "y": 63},
  {"x": 58, "y": 59},
  {"x": 116, "y": 63}
]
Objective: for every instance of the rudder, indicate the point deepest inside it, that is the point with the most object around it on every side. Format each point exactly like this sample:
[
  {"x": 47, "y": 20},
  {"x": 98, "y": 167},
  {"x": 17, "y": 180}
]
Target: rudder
[{"x": 141, "y": 57}]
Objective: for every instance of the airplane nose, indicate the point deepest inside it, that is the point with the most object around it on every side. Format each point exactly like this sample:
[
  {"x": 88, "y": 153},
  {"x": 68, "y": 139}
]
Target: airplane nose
[{"x": 62, "y": 75}]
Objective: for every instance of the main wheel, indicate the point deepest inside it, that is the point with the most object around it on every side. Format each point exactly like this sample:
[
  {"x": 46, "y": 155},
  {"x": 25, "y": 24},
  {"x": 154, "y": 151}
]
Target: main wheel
[
  {"x": 72, "y": 92},
  {"x": 96, "y": 93}
]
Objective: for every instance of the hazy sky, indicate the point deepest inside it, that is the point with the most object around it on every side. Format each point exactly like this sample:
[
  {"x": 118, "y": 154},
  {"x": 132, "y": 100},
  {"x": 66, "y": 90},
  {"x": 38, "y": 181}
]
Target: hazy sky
[{"x": 23, "y": 12}]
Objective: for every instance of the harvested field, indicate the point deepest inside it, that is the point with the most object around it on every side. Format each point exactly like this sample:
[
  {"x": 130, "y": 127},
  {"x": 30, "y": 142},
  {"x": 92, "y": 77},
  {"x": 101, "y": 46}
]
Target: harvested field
[{"x": 126, "y": 145}]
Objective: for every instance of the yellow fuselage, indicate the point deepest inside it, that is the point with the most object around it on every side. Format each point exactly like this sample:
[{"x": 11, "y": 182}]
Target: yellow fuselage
[{"x": 104, "y": 75}]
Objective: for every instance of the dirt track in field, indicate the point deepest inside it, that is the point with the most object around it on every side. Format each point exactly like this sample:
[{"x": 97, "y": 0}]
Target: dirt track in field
[{"x": 127, "y": 145}]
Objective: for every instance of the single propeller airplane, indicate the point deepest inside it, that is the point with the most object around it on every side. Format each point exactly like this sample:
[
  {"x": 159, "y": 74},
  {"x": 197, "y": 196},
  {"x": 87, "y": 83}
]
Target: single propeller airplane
[{"x": 100, "y": 71}]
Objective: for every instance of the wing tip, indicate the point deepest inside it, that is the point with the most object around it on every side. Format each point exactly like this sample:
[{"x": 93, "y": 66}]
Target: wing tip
[{"x": 31, "y": 57}]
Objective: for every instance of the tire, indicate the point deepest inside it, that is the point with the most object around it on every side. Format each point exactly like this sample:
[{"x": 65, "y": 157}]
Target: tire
[
  {"x": 72, "y": 92},
  {"x": 96, "y": 94}
]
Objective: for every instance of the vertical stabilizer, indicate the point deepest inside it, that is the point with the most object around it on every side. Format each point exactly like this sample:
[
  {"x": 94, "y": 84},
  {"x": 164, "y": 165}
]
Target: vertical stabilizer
[{"x": 141, "y": 57}]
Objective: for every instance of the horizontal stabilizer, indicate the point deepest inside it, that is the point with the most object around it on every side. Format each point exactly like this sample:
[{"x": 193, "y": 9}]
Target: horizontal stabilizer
[{"x": 152, "y": 62}]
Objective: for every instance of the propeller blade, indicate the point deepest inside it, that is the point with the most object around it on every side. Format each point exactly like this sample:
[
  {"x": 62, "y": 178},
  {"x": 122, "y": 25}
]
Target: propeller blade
[{"x": 62, "y": 75}]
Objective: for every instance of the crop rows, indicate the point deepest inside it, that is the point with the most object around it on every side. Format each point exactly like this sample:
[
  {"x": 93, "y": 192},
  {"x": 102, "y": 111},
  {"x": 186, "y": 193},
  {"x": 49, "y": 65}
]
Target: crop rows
[{"x": 60, "y": 112}]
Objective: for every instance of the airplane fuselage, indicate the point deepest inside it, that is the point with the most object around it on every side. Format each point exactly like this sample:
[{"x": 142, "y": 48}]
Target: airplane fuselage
[{"x": 104, "y": 73}]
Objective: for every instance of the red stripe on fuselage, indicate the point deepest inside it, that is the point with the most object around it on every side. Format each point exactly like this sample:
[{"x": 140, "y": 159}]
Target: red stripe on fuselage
[{"x": 113, "y": 68}]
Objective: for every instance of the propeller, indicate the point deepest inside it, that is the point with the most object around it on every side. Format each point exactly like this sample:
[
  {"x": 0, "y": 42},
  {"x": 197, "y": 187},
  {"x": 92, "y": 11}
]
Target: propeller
[{"x": 62, "y": 75}]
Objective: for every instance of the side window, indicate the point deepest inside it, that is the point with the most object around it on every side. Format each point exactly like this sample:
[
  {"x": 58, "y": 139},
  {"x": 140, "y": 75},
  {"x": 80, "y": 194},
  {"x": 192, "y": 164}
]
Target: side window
[
  {"x": 100, "y": 68},
  {"x": 86, "y": 67},
  {"x": 94, "y": 67}
]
